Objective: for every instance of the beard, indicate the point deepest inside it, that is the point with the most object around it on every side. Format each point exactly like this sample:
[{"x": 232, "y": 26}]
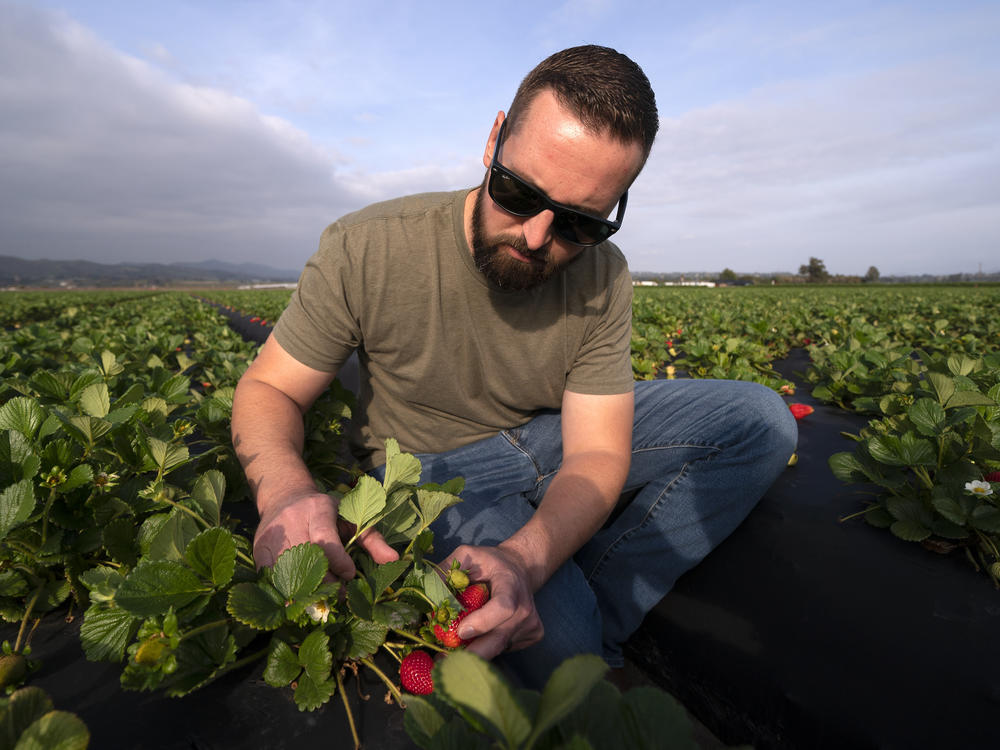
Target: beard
[{"x": 496, "y": 264}]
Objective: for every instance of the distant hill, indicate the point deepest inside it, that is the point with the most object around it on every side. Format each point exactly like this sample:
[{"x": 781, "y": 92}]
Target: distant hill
[{"x": 21, "y": 272}]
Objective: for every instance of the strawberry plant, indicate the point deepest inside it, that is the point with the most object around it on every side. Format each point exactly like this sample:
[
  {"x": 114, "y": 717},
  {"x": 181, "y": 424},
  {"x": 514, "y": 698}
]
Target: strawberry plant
[{"x": 928, "y": 454}]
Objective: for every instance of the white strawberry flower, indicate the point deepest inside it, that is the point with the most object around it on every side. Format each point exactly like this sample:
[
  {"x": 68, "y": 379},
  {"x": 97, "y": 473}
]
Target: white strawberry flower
[
  {"x": 320, "y": 611},
  {"x": 976, "y": 487}
]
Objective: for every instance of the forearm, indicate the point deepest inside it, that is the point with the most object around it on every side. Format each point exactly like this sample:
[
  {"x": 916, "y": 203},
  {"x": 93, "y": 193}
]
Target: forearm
[
  {"x": 575, "y": 506},
  {"x": 268, "y": 436}
]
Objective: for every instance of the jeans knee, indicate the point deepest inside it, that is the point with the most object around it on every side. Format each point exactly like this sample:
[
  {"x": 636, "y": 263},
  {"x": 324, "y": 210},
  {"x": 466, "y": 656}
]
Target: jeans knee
[{"x": 774, "y": 425}]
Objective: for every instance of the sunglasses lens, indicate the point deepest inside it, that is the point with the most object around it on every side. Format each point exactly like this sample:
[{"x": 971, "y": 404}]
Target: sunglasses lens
[
  {"x": 514, "y": 196},
  {"x": 580, "y": 229}
]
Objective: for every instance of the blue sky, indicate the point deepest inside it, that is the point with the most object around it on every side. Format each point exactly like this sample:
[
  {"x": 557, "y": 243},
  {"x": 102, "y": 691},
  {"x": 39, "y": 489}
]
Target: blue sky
[{"x": 863, "y": 133}]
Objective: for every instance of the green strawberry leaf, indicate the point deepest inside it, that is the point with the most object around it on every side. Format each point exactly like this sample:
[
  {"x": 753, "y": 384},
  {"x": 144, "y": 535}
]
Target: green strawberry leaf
[
  {"x": 282, "y": 664},
  {"x": 363, "y": 503},
  {"x": 433, "y": 503},
  {"x": 398, "y": 615},
  {"x": 387, "y": 574},
  {"x": 212, "y": 555},
  {"x": 299, "y": 570},
  {"x": 657, "y": 720},
  {"x": 310, "y": 694},
  {"x": 78, "y": 477},
  {"x": 23, "y": 415},
  {"x": 173, "y": 537},
  {"x": 928, "y": 416},
  {"x": 911, "y": 531},
  {"x": 437, "y": 590},
  {"x": 566, "y": 688},
  {"x": 359, "y": 598},
  {"x": 16, "y": 504},
  {"x": 106, "y": 633},
  {"x": 102, "y": 582},
  {"x": 400, "y": 468},
  {"x": 153, "y": 586},
  {"x": 315, "y": 657},
  {"x": 476, "y": 685},
  {"x": 95, "y": 401},
  {"x": 208, "y": 493},
  {"x": 17, "y": 460},
  {"x": 422, "y": 720},
  {"x": 986, "y": 518},
  {"x": 258, "y": 605},
  {"x": 364, "y": 638}
]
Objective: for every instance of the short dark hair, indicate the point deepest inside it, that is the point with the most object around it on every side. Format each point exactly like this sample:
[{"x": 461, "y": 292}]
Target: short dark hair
[{"x": 603, "y": 88}]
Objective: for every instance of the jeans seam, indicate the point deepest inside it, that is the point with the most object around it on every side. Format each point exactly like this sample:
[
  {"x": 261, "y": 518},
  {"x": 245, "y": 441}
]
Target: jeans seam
[{"x": 509, "y": 437}]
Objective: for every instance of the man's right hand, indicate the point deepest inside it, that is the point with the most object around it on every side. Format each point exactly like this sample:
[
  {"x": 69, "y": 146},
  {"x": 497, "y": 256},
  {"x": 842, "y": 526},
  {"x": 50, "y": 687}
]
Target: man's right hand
[{"x": 311, "y": 516}]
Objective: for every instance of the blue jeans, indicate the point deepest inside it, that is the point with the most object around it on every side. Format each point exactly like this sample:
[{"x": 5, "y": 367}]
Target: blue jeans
[{"x": 703, "y": 454}]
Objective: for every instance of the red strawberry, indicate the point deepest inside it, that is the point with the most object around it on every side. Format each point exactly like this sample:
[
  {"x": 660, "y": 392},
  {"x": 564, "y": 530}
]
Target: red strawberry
[
  {"x": 993, "y": 476},
  {"x": 415, "y": 673},
  {"x": 449, "y": 638},
  {"x": 800, "y": 410},
  {"x": 474, "y": 597}
]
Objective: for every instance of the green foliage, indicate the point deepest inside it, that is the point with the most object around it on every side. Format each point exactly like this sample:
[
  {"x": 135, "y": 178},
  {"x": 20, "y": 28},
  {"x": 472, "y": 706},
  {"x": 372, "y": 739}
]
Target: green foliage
[{"x": 473, "y": 706}]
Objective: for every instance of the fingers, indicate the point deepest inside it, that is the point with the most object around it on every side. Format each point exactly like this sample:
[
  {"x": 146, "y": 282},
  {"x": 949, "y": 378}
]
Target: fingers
[{"x": 376, "y": 546}]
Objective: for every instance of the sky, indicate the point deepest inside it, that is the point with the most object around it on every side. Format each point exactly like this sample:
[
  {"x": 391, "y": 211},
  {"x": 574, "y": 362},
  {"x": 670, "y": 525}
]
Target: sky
[{"x": 861, "y": 133}]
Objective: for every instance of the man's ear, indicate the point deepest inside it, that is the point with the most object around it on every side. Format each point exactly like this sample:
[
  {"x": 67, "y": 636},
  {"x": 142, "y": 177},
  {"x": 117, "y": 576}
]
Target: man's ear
[{"x": 491, "y": 142}]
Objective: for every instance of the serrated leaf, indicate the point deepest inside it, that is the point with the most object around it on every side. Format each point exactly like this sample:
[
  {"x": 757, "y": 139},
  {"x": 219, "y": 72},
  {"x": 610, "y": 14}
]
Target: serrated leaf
[
  {"x": 944, "y": 386},
  {"x": 315, "y": 657},
  {"x": 12, "y": 584},
  {"x": 208, "y": 493},
  {"x": 433, "y": 503},
  {"x": 212, "y": 555},
  {"x": 17, "y": 460},
  {"x": 282, "y": 664},
  {"x": 911, "y": 531},
  {"x": 879, "y": 517},
  {"x": 163, "y": 456},
  {"x": 258, "y": 605},
  {"x": 363, "y": 503},
  {"x": 23, "y": 415},
  {"x": 106, "y": 633},
  {"x": 846, "y": 467},
  {"x": 364, "y": 638},
  {"x": 398, "y": 614},
  {"x": 102, "y": 582},
  {"x": 969, "y": 398},
  {"x": 400, "y": 468},
  {"x": 153, "y": 586},
  {"x": 386, "y": 574},
  {"x": 17, "y": 503},
  {"x": 476, "y": 685},
  {"x": 95, "y": 401},
  {"x": 567, "y": 687},
  {"x": 359, "y": 598},
  {"x": 310, "y": 694},
  {"x": 173, "y": 537},
  {"x": 657, "y": 720},
  {"x": 78, "y": 477},
  {"x": 299, "y": 570},
  {"x": 928, "y": 416},
  {"x": 422, "y": 720},
  {"x": 986, "y": 518},
  {"x": 955, "y": 510}
]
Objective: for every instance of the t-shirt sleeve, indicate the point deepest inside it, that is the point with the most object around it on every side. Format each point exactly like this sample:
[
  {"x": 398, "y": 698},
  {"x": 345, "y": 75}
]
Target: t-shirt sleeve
[
  {"x": 604, "y": 363},
  {"x": 319, "y": 327}
]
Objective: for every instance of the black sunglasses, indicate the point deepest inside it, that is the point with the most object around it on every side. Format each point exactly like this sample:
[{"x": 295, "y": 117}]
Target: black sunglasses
[{"x": 517, "y": 197}]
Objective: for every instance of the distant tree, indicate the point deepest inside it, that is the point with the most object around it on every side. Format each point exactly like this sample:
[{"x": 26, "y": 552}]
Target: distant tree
[
  {"x": 815, "y": 272},
  {"x": 872, "y": 274},
  {"x": 727, "y": 274}
]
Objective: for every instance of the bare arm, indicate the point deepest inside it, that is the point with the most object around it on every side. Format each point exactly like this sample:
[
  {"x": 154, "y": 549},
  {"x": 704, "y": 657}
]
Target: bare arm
[
  {"x": 597, "y": 441},
  {"x": 268, "y": 435}
]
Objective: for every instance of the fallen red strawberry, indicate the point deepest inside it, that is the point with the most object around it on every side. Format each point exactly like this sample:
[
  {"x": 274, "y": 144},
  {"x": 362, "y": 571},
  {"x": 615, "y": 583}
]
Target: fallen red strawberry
[
  {"x": 415, "y": 673},
  {"x": 474, "y": 597},
  {"x": 800, "y": 410}
]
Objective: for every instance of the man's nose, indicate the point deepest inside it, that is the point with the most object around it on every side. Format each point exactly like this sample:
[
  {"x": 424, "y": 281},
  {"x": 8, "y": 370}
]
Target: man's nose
[{"x": 537, "y": 229}]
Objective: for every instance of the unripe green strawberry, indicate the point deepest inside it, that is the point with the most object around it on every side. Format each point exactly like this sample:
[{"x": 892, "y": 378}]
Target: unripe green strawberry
[
  {"x": 458, "y": 579},
  {"x": 415, "y": 673},
  {"x": 474, "y": 597},
  {"x": 995, "y": 570},
  {"x": 13, "y": 670}
]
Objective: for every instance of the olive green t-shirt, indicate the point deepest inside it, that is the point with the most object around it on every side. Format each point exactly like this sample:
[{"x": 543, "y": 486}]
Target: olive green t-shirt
[{"x": 447, "y": 357}]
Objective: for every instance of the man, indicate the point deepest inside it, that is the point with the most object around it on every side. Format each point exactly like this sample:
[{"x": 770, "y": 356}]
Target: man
[{"x": 492, "y": 327}]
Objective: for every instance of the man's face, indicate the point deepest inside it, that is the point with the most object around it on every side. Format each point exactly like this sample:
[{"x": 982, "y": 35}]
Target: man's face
[{"x": 553, "y": 152}]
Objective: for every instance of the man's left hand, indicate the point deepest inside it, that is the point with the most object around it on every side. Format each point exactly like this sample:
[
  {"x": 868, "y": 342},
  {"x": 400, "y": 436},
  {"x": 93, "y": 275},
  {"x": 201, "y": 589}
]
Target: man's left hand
[{"x": 509, "y": 620}]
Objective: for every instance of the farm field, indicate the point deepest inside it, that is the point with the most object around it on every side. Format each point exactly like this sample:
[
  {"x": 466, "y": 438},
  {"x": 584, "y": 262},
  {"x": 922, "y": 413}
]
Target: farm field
[{"x": 123, "y": 505}]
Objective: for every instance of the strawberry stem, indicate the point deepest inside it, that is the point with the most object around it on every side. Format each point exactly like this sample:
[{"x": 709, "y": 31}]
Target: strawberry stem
[
  {"x": 390, "y": 685},
  {"x": 347, "y": 709}
]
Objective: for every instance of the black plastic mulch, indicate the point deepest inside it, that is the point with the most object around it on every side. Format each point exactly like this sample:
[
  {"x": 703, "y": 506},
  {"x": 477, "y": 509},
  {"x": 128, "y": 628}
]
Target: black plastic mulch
[{"x": 799, "y": 631}]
